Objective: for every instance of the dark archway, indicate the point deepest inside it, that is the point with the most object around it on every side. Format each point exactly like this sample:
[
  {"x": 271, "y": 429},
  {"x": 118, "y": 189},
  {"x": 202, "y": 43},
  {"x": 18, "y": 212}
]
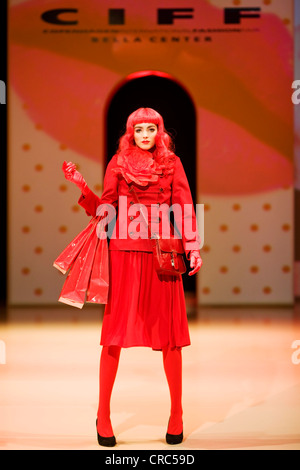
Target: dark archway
[{"x": 166, "y": 96}]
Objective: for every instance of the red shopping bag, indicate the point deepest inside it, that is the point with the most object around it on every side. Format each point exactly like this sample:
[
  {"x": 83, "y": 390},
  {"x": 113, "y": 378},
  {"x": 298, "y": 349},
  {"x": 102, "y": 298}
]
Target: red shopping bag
[
  {"x": 86, "y": 257},
  {"x": 99, "y": 280},
  {"x": 76, "y": 285},
  {"x": 67, "y": 257}
]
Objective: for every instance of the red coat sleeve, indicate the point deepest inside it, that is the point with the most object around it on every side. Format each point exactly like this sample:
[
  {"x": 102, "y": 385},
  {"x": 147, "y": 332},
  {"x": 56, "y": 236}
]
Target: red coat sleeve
[
  {"x": 90, "y": 202},
  {"x": 185, "y": 219}
]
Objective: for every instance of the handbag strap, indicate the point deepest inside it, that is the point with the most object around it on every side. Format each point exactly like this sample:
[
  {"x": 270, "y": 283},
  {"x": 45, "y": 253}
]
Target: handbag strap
[
  {"x": 132, "y": 190},
  {"x": 154, "y": 237}
]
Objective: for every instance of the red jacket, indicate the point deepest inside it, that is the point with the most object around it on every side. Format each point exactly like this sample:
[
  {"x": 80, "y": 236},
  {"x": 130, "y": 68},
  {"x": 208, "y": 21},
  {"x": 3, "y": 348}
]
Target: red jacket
[{"x": 156, "y": 197}]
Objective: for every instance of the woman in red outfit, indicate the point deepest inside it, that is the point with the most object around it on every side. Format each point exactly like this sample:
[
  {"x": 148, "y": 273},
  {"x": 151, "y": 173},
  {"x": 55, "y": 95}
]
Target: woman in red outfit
[{"x": 144, "y": 308}]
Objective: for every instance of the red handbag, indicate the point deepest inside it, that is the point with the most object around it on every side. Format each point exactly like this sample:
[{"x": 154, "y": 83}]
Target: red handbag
[
  {"x": 167, "y": 252},
  {"x": 168, "y": 255}
]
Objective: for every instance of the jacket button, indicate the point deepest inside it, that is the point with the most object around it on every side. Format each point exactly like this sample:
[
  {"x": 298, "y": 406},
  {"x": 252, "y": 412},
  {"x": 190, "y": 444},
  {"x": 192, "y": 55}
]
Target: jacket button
[
  {"x": 161, "y": 189},
  {"x": 131, "y": 203},
  {"x": 131, "y": 217}
]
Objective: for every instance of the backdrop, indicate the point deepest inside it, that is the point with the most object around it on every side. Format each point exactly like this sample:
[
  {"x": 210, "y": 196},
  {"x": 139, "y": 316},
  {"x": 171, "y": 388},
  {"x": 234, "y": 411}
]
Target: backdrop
[{"x": 230, "y": 67}]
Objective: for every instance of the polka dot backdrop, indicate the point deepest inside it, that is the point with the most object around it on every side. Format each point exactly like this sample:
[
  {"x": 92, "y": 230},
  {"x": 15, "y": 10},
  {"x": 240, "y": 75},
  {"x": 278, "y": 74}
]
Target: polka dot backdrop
[
  {"x": 248, "y": 250},
  {"x": 43, "y": 212}
]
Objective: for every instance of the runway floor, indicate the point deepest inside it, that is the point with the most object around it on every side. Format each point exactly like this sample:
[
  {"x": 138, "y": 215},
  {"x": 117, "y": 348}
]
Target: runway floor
[{"x": 241, "y": 383}]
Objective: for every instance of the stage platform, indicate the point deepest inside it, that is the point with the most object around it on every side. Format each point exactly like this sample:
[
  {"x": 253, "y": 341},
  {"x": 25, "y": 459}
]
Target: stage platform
[{"x": 241, "y": 382}]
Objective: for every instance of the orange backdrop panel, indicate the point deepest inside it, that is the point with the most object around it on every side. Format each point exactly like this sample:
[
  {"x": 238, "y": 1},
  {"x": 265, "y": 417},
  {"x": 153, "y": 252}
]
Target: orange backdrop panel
[{"x": 239, "y": 77}]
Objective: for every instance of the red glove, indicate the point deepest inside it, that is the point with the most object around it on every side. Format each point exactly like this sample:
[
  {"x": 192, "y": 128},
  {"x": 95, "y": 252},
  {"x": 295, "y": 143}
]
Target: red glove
[
  {"x": 195, "y": 261},
  {"x": 71, "y": 174}
]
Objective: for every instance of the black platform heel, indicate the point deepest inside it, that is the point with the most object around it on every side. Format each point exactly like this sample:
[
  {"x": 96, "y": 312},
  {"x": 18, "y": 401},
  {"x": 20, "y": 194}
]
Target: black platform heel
[
  {"x": 105, "y": 441},
  {"x": 174, "y": 438}
]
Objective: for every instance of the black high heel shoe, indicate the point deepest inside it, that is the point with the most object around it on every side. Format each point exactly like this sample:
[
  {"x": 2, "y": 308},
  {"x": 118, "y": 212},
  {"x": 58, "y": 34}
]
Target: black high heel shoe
[
  {"x": 105, "y": 441},
  {"x": 174, "y": 438}
]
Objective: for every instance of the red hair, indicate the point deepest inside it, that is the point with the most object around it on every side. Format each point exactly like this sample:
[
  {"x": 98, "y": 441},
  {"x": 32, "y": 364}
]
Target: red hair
[{"x": 163, "y": 141}]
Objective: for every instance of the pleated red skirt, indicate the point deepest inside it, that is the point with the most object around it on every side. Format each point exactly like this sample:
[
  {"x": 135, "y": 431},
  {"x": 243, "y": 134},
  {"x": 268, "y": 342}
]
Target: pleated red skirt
[{"x": 144, "y": 308}]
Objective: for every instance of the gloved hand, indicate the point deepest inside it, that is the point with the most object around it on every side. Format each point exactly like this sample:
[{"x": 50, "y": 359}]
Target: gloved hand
[
  {"x": 71, "y": 174},
  {"x": 195, "y": 261}
]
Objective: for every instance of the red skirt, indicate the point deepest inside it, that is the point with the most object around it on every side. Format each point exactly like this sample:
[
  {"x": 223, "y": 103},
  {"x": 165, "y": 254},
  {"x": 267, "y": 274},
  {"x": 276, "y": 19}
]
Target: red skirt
[{"x": 143, "y": 308}]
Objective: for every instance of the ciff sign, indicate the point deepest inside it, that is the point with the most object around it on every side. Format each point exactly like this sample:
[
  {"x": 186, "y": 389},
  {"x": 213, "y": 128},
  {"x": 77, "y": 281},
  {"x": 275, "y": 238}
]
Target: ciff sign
[{"x": 164, "y": 16}]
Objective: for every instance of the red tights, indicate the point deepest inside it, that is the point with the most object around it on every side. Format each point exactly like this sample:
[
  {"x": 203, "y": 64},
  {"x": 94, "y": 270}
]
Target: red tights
[{"x": 109, "y": 362}]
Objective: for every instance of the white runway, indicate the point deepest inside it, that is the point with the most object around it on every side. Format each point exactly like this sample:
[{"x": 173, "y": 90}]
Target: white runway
[{"x": 241, "y": 385}]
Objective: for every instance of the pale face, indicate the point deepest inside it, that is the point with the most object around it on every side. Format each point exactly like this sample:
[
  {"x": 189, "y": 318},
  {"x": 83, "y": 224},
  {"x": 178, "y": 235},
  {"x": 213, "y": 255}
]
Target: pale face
[{"x": 144, "y": 135}]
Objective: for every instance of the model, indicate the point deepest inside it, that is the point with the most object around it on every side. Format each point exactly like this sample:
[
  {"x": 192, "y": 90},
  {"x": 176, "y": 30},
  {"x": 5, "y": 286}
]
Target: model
[{"x": 145, "y": 307}]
